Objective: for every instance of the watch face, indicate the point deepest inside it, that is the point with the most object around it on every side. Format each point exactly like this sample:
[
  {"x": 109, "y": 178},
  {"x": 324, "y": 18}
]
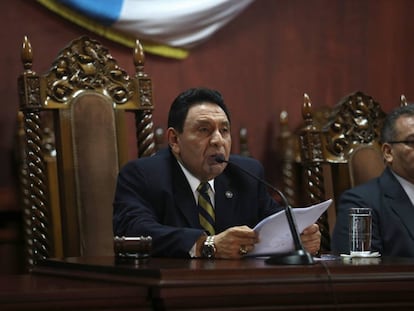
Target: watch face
[{"x": 207, "y": 251}]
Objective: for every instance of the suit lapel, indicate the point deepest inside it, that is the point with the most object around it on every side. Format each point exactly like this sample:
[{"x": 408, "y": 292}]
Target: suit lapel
[
  {"x": 397, "y": 200},
  {"x": 183, "y": 196},
  {"x": 225, "y": 201}
]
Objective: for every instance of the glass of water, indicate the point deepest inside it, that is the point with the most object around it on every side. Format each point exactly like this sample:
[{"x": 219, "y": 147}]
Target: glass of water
[{"x": 360, "y": 231}]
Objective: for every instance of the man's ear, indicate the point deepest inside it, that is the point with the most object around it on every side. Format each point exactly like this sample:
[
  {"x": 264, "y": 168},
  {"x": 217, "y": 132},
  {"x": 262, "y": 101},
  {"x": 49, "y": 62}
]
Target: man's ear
[
  {"x": 387, "y": 153},
  {"x": 172, "y": 138}
]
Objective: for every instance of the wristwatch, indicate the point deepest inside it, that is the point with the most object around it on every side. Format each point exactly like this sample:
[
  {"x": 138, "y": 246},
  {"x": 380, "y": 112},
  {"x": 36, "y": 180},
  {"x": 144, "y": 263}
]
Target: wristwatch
[{"x": 208, "y": 249}]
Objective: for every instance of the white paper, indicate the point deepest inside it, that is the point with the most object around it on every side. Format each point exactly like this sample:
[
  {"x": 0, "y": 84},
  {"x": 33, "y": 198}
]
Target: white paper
[{"x": 274, "y": 232}]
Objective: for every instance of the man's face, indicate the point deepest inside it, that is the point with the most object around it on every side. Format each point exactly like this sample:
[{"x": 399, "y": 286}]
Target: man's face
[
  {"x": 400, "y": 157},
  {"x": 206, "y": 134}
]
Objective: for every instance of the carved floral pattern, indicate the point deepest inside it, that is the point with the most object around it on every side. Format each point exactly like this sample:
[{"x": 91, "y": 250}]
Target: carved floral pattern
[
  {"x": 86, "y": 64},
  {"x": 357, "y": 119}
]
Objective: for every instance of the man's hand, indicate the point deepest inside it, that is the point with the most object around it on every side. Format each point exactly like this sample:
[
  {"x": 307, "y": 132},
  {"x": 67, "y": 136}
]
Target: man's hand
[
  {"x": 234, "y": 241},
  {"x": 231, "y": 244},
  {"x": 311, "y": 239}
]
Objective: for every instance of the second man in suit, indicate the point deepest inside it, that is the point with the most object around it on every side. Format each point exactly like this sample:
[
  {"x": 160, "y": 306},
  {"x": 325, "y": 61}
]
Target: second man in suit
[{"x": 390, "y": 196}]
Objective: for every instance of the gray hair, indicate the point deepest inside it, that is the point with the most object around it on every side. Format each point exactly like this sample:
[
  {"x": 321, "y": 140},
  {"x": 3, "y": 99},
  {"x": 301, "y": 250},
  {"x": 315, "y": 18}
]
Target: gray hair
[{"x": 388, "y": 132}]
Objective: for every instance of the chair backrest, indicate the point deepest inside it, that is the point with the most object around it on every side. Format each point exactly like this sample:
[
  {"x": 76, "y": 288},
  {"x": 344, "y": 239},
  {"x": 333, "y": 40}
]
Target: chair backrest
[
  {"x": 289, "y": 153},
  {"x": 341, "y": 153},
  {"x": 75, "y": 123}
]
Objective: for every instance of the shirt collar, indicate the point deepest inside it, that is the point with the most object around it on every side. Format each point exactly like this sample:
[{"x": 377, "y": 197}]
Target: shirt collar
[
  {"x": 407, "y": 186},
  {"x": 195, "y": 182}
]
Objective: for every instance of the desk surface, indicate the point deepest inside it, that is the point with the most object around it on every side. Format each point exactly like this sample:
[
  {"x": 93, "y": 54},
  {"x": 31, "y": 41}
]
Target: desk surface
[{"x": 379, "y": 284}]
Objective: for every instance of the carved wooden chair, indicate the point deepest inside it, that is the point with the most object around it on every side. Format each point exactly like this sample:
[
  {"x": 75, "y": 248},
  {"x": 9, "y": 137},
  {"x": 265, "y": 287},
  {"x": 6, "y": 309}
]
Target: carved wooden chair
[
  {"x": 292, "y": 183},
  {"x": 75, "y": 120},
  {"x": 288, "y": 155},
  {"x": 340, "y": 154}
]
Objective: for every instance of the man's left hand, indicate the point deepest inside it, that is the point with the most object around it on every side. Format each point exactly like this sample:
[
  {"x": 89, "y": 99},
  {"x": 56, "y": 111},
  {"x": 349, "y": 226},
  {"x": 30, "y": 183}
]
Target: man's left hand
[{"x": 311, "y": 239}]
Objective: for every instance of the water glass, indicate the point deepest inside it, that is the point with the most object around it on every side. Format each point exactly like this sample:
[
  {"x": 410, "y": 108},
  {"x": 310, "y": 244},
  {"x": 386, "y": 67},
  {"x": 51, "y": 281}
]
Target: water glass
[{"x": 360, "y": 231}]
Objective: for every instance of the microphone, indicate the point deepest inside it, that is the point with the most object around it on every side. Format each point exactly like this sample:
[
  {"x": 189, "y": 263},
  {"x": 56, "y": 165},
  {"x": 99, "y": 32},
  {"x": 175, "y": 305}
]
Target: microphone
[{"x": 297, "y": 257}]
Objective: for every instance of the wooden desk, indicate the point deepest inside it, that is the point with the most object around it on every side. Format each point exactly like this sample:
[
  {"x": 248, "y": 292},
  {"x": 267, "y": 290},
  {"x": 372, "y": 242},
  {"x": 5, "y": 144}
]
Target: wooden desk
[
  {"x": 39, "y": 292},
  {"x": 245, "y": 284}
]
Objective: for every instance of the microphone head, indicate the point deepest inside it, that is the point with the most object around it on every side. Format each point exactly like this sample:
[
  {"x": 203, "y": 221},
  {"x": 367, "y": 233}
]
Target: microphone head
[{"x": 220, "y": 158}]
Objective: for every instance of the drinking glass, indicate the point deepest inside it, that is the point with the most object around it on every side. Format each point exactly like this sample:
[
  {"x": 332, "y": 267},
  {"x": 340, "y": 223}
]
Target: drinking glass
[{"x": 360, "y": 231}]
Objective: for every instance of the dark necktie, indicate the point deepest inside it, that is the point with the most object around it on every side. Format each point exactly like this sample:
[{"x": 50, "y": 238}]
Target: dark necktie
[{"x": 206, "y": 211}]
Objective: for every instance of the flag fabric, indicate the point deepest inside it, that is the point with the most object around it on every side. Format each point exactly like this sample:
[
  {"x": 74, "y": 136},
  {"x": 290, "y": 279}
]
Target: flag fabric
[{"x": 164, "y": 27}]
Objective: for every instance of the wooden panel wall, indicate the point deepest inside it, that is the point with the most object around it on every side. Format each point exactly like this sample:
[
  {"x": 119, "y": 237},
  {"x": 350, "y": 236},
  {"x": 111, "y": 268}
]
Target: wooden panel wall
[{"x": 262, "y": 62}]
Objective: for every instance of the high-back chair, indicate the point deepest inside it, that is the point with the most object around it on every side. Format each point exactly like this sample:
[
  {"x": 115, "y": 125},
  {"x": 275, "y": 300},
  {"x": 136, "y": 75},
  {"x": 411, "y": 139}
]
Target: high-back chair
[
  {"x": 290, "y": 155},
  {"x": 75, "y": 140},
  {"x": 340, "y": 154}
]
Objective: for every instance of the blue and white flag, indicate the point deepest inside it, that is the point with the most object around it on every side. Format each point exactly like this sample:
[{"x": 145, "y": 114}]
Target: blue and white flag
[{"x": 176, "y": 24}]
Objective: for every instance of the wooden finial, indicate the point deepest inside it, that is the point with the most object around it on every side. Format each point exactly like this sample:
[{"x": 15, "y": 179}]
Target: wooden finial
[
  {"x": 283, "y": 118},
  {"x": 27, "y": 54},
  {"x": 307, "y": 109},
  {"x": 139, "y": 57},
  {"x": 403, "y": 100}
]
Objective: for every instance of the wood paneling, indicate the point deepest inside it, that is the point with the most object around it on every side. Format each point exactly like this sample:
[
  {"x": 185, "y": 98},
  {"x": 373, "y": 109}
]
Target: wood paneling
[{"x": 263, "y": 61}]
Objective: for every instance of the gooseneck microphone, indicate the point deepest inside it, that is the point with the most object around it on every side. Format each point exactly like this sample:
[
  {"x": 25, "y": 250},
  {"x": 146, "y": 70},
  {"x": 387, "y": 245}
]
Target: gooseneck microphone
[{"x": 297, "y": 257}]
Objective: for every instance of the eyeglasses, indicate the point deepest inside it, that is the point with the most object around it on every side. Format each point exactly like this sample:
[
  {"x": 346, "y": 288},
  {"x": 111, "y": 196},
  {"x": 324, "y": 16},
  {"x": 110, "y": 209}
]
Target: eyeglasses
[{"x": 409, "y": 143}]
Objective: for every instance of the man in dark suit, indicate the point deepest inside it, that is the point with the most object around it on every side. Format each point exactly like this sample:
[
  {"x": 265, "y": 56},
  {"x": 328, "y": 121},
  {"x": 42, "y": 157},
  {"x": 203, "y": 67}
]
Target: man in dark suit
[
  {"x": 390, "y": 196},
  {"x": 158, "y": 195}
]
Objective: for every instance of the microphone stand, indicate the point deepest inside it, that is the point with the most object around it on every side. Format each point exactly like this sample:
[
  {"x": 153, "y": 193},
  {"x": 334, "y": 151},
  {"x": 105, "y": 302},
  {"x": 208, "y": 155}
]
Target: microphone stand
[{"x": 299, "y": 256}]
